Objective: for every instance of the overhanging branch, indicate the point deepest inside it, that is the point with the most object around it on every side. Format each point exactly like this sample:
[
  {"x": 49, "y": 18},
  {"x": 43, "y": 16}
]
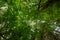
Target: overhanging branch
[{"x": 46, "y": 5}]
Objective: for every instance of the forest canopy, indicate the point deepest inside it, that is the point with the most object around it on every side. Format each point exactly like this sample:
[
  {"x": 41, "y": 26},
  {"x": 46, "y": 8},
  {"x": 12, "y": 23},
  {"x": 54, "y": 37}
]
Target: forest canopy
[{"x": 29, "y": 19}]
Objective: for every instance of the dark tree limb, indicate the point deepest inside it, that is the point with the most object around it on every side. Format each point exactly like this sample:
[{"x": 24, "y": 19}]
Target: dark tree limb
[{"x": 47, "y": 4}]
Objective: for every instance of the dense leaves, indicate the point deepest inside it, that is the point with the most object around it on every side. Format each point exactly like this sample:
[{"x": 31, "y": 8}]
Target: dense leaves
[{"x": 29, "y": 20}]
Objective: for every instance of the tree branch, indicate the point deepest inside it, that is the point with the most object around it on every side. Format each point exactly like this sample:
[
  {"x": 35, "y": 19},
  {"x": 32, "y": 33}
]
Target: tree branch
[{"x": 47, "y": 4}]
